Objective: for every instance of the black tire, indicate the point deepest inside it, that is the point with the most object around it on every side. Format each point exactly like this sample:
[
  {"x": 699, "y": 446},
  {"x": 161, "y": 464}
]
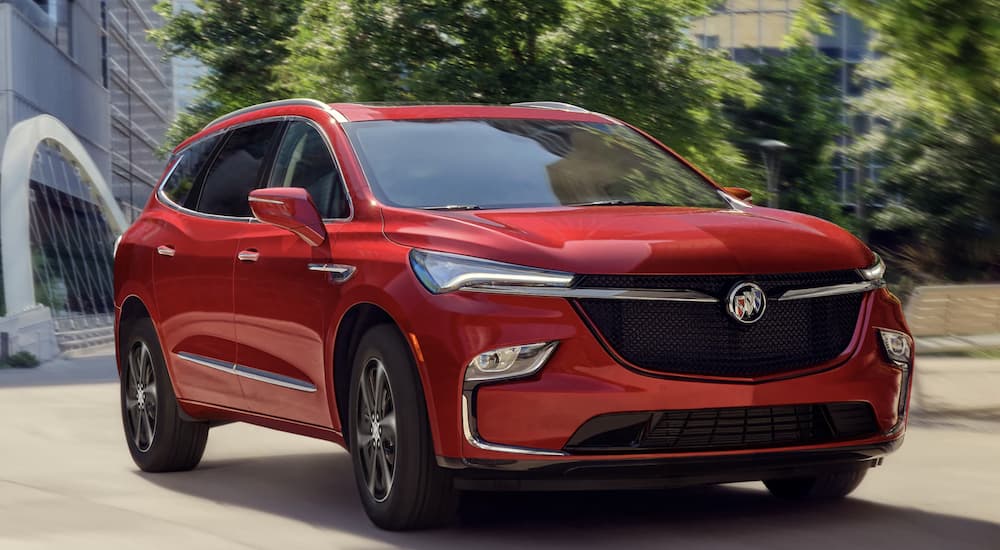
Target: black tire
[
  {"x": 417, "y": 493},
  {"x": 830, "y": 486},
  {"x": 171, "y": 443}
]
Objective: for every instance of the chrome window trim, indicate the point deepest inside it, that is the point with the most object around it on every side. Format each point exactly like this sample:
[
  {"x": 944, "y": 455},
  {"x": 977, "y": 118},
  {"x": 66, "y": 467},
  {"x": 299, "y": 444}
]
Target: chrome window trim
[
  {"x": 473, "y": 438},
  {"x": 665, "y": 294},
  {"x": 336, "y": 162},
  {"x": 166, "y": 201},
  {"x": 832, "y": 290}
]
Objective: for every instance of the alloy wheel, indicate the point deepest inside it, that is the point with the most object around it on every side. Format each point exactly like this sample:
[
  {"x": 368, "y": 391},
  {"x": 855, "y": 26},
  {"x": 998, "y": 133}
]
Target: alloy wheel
[
  {"x": 141, "y": 397},
  {"x": 376, "y": 430}
]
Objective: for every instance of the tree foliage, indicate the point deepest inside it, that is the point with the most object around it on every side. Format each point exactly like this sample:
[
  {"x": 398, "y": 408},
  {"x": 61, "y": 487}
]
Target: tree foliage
[
  {"x": 945, "y": 53},
  {"x": 937, "y": 97},
  {"x": 632, "y": 59},
  {"x": 239, "y": 43},
  {"x": 802, "y": 108}
]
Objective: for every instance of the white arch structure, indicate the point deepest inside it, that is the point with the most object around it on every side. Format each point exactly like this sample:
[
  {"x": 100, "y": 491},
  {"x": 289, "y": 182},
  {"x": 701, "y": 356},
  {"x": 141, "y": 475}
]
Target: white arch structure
[{"x": 15, "y": 176}]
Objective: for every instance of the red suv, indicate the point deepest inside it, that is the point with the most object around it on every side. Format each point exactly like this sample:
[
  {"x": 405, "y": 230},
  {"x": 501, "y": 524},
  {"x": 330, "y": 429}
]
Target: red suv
[{"x": 499, "y": 298}]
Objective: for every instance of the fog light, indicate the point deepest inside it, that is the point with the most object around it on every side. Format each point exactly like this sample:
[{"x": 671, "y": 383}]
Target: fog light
[
  {"x": 897, "y": 346},
  {"x": 507, "y": 363}
]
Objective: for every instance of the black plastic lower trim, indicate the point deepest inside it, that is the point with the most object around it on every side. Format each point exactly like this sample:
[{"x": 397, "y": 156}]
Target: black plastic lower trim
[{"x": 575, "y": 474}]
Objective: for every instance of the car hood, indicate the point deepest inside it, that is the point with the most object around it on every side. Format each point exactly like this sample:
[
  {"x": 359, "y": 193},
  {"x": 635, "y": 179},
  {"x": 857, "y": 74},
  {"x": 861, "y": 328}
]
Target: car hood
[{"x": 635, "y": 239}]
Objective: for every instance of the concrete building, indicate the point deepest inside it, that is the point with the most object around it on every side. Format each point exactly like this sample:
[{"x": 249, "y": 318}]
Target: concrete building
[
  {"x": 748, "y": 29},
  {"x": 141, "y": 87},
  {"x": 84, "y": 102}
]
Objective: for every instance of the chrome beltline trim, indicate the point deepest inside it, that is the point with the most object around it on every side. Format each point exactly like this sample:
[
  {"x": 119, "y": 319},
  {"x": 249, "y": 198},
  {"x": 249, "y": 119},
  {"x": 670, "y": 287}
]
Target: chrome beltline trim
[
  {"x": 248, "y": 372},
  {"x": 472, "y": 436},
  {"x": 833, "y": 290},
  {"x": 272, "y": 378},
  {"x": 666, "y": 295},
  {"x": 206, "y": 361}
]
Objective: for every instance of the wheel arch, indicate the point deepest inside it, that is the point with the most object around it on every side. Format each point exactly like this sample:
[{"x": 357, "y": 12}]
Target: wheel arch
[{"x": 353, "y": 324}]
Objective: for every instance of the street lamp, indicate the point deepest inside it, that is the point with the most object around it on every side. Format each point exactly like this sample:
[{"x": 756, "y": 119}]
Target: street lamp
[{"x": 772, "y": 150}]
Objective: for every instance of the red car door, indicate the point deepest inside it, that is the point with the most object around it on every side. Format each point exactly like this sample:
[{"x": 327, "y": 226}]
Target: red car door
[
  {"x": 192, "y": 275},
  {"x": 284, "y": 287}
]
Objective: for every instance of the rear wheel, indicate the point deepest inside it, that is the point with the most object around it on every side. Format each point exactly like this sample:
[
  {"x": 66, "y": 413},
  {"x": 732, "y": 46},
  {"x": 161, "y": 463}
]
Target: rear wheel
[
  {"x": 400, "y": 484},
  {"x": 157, "y": 437},
  {"x": 829, "y": 486}
]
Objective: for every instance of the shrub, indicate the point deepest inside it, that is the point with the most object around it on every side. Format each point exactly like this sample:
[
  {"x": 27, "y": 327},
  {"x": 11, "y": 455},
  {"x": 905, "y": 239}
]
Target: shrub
[{"x": 22, "y": 359}]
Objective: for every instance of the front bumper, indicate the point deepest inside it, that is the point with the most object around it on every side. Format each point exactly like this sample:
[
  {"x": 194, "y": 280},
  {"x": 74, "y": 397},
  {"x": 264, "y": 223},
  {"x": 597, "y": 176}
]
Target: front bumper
[
  {"x": 530, "y": 421},
  {"x": 663, "y": 472}
]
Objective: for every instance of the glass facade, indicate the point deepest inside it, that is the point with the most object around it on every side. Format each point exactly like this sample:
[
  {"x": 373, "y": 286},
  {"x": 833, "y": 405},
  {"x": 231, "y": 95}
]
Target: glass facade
[
  {"x": 70, "y": 241},
  {"x": 141, "y": 87}
]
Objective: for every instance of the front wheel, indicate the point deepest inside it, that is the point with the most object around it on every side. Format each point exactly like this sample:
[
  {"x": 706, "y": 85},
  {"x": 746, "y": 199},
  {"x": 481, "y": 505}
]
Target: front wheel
[
  {"x": 157, "y": 437},
  {"x": 829, "y": 486},
  {"x": 400, "y": 484}
]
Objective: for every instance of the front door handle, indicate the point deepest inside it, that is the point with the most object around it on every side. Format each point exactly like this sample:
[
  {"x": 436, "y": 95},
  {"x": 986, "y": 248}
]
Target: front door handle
[
  {"x": 248, "y": 255},
  {"x": 165, "y": 250}
]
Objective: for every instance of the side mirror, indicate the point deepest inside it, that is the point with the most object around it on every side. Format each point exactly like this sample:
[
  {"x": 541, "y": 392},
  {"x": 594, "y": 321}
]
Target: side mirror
[
  {"x": 740, "y": 193},
  {"x": 289, "y": 208}
]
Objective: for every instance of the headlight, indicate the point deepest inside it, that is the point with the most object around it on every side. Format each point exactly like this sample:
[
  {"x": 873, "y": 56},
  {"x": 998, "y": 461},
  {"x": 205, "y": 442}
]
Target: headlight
[
  {"x": 876, "y": 272},
  {"x": 114, "y": 248},
  {"x": 897, "y": 346},
  {"x": 507, "y": 363},
  {"x": 441, "y": 272}
]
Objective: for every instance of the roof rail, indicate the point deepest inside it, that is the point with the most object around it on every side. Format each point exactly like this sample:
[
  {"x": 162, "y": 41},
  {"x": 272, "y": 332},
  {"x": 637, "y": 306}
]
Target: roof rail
[
  {"x": 280, "y": 103},
  {"x": 556, "y": 105}
]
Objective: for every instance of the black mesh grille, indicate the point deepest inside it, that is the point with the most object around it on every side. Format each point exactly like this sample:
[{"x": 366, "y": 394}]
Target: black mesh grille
[
  {"x": 694, "y": 338},
  {"x": 719, "y": 285},
  {"x": 725, "y": 429}
]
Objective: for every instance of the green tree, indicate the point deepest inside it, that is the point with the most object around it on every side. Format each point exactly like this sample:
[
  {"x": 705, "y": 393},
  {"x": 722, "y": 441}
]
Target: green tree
[
  {"x": 936, "y": 99},
  {"x": 630, "y": 59},
  {"x": 945, "y": 53},
  {"x": 801, "y": 107},
  {"x": 239, "y": 43}
]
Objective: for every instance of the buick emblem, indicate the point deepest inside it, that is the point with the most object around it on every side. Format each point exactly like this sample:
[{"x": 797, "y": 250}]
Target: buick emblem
[{"x": 746, "y": 303}]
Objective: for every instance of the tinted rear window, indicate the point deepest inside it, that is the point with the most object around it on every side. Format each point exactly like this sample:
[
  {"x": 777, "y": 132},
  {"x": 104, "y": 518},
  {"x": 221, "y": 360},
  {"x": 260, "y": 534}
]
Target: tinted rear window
[
  {"x": 509, "y": 163},
  {"x": 185, "y": 173}
]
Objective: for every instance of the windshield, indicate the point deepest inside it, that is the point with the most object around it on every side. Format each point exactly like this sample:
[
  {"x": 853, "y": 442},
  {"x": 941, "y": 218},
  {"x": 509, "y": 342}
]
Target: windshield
[{"x": 512, "y": 163}]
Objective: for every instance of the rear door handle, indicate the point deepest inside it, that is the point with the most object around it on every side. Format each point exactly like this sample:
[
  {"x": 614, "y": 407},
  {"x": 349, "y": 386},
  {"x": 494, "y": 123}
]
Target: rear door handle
[
  {"x": 248, "y": 255},
  {"x": 165, "y": 250}
]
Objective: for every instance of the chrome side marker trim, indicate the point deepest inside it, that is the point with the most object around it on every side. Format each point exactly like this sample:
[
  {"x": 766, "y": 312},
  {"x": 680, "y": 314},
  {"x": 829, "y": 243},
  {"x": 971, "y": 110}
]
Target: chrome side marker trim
[
  {"x": 339, "y": 273},
  {"x": 206, "y": 361},
  {"x": 832, "y": 290},
  {"x": 273, "y": 378},
  {"x": 472, "y": 436},
  {"x": 665, "y": 295},
  {"x": 248, "y": 372}
]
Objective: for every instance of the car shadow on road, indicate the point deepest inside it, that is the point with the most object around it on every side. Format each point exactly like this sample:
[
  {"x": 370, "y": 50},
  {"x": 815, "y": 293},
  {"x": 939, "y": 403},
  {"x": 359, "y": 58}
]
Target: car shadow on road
[{"x": 319, "y": 489}]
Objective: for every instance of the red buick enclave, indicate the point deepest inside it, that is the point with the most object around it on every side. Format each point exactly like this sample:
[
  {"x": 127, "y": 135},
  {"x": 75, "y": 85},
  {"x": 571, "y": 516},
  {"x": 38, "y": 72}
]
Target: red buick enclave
[{"x": 522, "y": 297}]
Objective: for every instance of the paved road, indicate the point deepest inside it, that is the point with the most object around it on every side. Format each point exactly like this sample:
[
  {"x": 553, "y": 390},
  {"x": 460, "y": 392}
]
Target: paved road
[{"x": 66, "y": 481}]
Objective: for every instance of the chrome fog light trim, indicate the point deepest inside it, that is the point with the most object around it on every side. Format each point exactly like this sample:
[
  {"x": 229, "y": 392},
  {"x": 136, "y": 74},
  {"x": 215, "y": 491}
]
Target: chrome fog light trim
[{"x": 509, "y": 363}]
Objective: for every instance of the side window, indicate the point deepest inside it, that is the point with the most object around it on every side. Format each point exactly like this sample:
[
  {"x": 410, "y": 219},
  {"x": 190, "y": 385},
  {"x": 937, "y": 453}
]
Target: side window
[
  {"x": 191, "y": 162},
  {"x": 304, "y": 160},
  {"x": 236, "y": 171}
]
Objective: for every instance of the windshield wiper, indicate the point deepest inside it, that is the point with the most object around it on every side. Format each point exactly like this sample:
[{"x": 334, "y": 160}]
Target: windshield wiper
[
  {"x": 619, "y": 202},
  {"x": 454, "y": 207}
]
